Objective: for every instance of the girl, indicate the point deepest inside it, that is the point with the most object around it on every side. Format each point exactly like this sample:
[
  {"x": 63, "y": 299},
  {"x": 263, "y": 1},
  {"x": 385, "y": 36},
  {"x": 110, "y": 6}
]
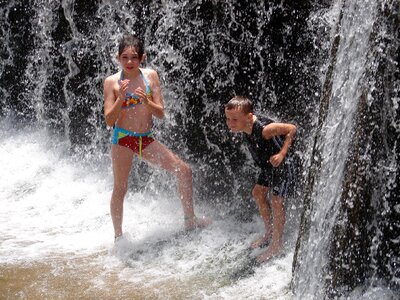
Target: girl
[{"x": 131, "y": 98}]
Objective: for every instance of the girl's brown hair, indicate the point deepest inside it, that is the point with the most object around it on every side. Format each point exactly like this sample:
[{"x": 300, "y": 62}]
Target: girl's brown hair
[{"x": 131, "y": 41}]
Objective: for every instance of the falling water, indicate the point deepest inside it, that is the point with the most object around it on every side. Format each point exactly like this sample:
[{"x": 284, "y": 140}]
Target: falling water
[
  {"x": 345, "y": 159},
  {"x": 356, "y": 26}
]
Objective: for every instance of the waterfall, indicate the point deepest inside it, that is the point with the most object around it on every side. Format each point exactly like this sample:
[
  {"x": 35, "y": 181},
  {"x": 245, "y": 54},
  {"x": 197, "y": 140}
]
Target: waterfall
[{"x": 353, "y": 164}]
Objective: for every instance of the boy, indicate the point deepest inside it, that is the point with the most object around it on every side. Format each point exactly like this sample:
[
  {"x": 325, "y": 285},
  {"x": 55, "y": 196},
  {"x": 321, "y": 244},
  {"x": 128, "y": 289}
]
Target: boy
[{"x": 268, "y": 143}]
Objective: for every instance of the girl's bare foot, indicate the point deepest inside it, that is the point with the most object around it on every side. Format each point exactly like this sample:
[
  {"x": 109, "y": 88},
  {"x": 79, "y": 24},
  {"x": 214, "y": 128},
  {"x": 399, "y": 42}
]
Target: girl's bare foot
[{"x": 194, "y": 222}]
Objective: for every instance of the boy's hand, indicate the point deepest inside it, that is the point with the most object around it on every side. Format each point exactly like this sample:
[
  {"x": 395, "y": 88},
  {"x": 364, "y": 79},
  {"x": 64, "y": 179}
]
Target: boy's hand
[{"x": 276, "y": 159}]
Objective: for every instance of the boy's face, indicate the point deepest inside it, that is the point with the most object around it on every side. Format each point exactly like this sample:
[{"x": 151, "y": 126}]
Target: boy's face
[{"x": 237, "y": 120}]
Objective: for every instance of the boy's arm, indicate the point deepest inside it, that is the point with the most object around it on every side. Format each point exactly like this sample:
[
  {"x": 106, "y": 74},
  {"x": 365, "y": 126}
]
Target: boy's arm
[{"x": 276, "y": 129}]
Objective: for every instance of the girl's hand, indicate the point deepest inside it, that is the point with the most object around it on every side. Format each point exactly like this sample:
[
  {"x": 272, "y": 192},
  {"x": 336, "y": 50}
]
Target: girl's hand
[
  {"x": 123, "y": 87},
  {"x": 143, "y": 96},
  {"x": 276, "y": 159}
]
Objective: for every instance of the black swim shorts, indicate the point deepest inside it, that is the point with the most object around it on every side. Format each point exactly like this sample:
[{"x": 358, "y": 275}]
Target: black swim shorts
[{"x": 278, "y": 178}]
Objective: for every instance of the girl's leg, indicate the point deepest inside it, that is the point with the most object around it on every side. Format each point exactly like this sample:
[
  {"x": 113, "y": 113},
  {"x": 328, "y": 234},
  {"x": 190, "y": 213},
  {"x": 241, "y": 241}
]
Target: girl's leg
[
  {"x": 159, "y": 155},
  {"x": 260, "y": 195},
  {"x": 121, "y": 163}
]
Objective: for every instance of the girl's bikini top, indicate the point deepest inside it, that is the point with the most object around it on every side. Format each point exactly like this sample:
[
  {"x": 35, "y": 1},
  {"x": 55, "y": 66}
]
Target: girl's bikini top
[{"x": 132, "y": 99}]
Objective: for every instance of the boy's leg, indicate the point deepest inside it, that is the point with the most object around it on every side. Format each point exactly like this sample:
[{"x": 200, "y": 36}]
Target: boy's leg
[
  {"x": 260, "y": 193},
  {"x": 281, "y": 179},
  {"x": 159, "y": 155},
  {"x": 278, "y": 223},
  {"x": 278, "y": 210},
  {"x": 121, "y": 163}
]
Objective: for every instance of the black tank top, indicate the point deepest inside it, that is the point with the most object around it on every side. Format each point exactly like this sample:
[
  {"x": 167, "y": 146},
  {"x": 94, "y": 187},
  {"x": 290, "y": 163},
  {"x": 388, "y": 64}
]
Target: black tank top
[{"x": 261, "y": 149}]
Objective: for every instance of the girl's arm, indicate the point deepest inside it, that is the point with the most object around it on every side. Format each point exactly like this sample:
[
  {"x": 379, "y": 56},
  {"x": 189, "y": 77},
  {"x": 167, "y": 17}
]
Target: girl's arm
[
  {"x": 155, "y": 102},
  {"x": 113, "y": 104}
]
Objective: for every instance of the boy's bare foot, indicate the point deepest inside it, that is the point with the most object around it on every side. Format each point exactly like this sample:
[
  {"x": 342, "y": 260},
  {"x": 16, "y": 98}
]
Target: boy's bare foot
[
  {"x": 192, "y": 223},
  {"x": 269, "y": 253},
  {"x": 261, "y": 242}
]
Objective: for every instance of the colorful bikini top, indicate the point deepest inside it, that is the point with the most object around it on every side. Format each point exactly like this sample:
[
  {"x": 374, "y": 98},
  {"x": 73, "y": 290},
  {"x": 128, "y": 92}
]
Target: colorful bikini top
[{"x": 132, "y": 99}]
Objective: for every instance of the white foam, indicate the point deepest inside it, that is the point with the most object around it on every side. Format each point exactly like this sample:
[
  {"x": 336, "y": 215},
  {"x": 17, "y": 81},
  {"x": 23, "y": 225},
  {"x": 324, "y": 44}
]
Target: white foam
[{"x": 53, "y": 203}]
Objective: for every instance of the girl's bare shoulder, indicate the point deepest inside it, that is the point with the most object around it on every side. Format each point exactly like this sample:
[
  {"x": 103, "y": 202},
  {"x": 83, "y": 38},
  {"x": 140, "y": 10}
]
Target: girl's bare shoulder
[
  {"x": 149, "y": 72},
  {"x": 112, "y": 78}
]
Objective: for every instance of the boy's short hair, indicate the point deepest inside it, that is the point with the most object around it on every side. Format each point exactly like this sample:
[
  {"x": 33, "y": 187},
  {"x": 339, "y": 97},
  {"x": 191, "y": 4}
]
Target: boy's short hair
[{"x": 240, "y": 102}]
